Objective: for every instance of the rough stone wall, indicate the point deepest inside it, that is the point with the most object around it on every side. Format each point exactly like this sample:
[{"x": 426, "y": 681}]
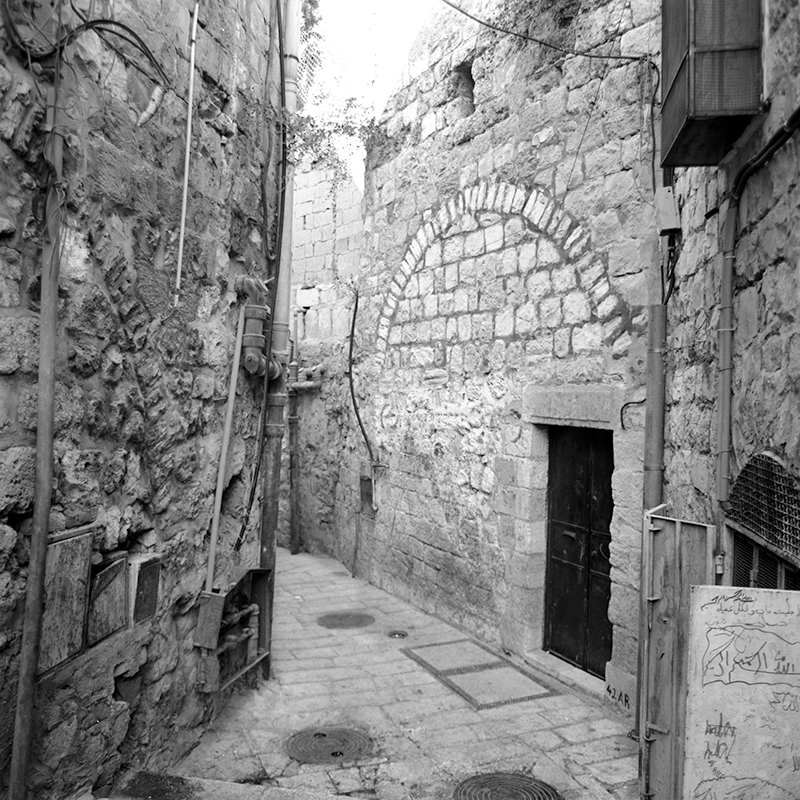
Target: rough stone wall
[
  {"x": 766, "y": 339},
  {"x": 140, "y": 393},
  {"x": 505, "y": 271},
  {"x": 326, "y": 252}
]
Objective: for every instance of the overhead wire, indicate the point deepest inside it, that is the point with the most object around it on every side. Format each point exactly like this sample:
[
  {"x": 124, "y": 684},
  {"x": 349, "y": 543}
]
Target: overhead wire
[
  {"x": 592, "y": 107},
  {"x": 536, "y": 40}
]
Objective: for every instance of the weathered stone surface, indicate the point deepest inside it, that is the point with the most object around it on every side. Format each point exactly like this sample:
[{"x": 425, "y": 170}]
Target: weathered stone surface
[
  {"x": 138, "y": 385},
  {"x": 17, "y": 477},
  {"x": 507, "y": 291},
  {"x": 19, "y": 345}
]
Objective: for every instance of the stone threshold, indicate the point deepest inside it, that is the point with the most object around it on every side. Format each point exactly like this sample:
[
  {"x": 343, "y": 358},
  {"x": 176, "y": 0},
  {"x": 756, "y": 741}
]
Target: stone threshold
[{"x": 571, "y": 676}]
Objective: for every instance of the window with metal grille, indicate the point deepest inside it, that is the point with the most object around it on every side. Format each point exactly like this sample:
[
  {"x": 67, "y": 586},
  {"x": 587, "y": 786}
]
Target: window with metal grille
[
  {"x": 765, "y": 499},
  {"x": 755, "y": 566}
]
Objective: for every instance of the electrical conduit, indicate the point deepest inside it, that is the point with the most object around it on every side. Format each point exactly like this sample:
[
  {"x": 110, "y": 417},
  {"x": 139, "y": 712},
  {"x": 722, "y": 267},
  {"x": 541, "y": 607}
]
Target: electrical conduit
[
  {"x": 186, "y": 158},
  {"x": 223, "y": 456},
  {"x": 725, "y": 395},
  {"x": 48, "y": 336}
]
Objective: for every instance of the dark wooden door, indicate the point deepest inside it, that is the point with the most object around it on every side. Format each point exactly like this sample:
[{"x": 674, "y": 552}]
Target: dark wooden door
[{"x": 578, "y": 564}]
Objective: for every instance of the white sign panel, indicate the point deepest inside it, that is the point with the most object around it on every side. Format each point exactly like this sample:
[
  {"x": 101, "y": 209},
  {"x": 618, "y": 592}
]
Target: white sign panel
[{"x": 743, "y": 701}]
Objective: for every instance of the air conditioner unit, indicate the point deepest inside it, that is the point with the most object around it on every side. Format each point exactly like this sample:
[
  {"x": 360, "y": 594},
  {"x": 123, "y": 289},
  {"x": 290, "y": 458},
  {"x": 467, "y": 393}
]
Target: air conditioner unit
[{"x": 711, "y": 77}]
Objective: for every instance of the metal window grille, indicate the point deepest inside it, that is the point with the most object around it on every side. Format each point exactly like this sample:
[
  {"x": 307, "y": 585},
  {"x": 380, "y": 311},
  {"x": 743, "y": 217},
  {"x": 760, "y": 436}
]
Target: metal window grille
[{"x": 765, "y": 499}]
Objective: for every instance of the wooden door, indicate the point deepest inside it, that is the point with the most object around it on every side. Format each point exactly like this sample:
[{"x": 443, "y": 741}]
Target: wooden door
[{"x": 578, "y": 585}]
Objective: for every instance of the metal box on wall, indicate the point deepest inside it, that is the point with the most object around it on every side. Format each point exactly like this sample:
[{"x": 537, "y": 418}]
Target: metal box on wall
[{"x": 711, "y": 77}]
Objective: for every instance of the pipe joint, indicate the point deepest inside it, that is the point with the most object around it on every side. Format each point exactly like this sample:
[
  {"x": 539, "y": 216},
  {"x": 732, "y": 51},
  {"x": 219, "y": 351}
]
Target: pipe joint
[{"x": 254, "y": 341}]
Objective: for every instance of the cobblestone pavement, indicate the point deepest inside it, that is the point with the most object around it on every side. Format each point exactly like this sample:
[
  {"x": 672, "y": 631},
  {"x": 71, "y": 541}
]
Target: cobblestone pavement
[{"x": 428, "y": 737}]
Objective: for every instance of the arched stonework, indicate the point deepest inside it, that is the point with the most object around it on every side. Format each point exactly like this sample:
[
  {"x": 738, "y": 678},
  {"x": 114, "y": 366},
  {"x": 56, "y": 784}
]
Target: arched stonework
[{"x": 543, "y": 217}]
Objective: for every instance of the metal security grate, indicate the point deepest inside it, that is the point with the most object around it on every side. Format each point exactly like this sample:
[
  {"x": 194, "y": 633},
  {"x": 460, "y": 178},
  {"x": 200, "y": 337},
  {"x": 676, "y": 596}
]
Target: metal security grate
[
  {"x": 504, "y": 786},
  {"x": 765, "y": 498},
  {"x": 329, "y": 745}
]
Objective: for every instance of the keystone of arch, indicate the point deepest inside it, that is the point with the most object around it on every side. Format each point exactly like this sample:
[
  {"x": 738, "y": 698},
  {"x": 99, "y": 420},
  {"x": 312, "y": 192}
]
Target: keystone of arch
[{"x": 537, "y": 205}]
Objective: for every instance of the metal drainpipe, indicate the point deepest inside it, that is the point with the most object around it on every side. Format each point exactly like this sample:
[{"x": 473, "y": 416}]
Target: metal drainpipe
[
  {"x": 294, "y": 449},
  {"x": 651, "y": 496},
  {"x": 280, "y": 335},
  {"x": 34, "y": 595},
  {"x": 277, "y": 398}
]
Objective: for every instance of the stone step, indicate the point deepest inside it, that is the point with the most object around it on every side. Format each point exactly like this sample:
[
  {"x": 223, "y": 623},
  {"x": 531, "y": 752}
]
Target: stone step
[{"x": 150, "y": 786}]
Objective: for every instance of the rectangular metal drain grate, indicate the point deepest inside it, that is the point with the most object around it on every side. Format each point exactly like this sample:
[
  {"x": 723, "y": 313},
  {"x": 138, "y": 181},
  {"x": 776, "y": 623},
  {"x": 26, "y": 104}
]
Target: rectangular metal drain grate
[{"x": 483, "y": 678}]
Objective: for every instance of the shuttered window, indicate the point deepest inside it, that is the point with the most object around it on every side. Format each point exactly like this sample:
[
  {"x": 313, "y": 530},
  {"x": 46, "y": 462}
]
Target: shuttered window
[{"x": 755, "y": 566}]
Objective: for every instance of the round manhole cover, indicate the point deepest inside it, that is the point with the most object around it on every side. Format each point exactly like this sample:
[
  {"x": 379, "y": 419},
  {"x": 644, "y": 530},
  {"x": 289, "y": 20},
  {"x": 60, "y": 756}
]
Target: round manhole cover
[
  {"x": 504, "y": 786},
  {"x": 345, "y": 619},
  {"x": 329, "y": 745}
]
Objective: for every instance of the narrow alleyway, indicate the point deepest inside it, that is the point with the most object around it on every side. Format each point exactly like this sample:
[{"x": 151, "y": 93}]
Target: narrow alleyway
[{"x": 427, "y": 736}]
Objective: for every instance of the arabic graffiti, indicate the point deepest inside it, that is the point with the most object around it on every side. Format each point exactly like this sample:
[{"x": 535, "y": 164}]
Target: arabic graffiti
[
  {"x": 743, "y": 695},
  {"x": 752, "y": 655}
]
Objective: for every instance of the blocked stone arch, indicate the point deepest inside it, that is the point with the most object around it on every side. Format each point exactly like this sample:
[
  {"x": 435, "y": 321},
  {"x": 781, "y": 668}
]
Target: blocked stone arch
[{"x": 545, "y": 217}]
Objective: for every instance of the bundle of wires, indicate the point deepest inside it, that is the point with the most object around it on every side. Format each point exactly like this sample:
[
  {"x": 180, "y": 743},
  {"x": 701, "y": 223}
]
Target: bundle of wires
[{"x": 44, "y": 46}]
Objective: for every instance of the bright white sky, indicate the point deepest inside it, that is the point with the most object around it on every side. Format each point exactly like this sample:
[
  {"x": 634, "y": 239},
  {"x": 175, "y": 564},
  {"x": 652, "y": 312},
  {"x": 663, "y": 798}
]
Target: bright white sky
[
  {"x": 366, "y": 45},
  {"x": 369, "y": 41}
]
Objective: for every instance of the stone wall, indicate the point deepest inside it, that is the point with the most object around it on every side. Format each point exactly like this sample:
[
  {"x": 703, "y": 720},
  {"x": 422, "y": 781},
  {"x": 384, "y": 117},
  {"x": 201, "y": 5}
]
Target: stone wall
[
  {"x": 505, "y": 272},
  {"x": 140, "y": 392},
  {"x": 766, "y": 339}
]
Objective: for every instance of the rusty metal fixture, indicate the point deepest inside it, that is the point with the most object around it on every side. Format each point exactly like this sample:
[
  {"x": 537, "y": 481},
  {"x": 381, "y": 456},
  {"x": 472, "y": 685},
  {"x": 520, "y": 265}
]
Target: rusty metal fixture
[
  {"x": 254, "y": 342},
  {"x": 504, "y": 786},
  {"x": 329, "y": 745},
  {"x": 345, "y": 619}
]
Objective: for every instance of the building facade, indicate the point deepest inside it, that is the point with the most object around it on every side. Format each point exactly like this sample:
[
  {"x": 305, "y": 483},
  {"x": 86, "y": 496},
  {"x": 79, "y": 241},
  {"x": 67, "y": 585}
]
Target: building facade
[
  {"x": 506, "y": 265},
  {"x": 140, "y": 379}
]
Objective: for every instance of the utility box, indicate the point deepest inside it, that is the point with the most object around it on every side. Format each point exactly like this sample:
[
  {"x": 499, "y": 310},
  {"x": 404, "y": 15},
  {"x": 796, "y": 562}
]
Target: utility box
[{"x": 711, "y": 77}]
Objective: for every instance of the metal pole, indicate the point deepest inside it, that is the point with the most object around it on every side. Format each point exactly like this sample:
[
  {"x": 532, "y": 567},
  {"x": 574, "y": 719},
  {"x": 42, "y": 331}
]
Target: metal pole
[{"x": 34, "y": 595}]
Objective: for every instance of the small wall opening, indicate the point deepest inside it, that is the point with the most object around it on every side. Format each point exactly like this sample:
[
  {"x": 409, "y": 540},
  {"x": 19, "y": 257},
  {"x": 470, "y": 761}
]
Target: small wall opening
[{"x": 464, "y": 86}]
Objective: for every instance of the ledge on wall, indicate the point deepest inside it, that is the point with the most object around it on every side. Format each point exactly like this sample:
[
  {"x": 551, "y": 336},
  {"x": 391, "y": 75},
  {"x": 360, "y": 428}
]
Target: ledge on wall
[{"x": 577, "y": 405}]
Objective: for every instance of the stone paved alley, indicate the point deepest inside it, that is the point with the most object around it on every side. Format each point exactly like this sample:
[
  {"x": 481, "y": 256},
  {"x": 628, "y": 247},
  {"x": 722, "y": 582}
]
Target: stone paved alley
[{"x": 428, "y": 738}]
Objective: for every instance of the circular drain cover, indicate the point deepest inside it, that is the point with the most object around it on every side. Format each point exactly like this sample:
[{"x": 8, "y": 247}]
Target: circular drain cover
[
  {"x": 329, "y": 745},
  {"x": 345, "y": 619},
  {"x": 504, "y": 786},
  {"x": 397, "y": 634}
]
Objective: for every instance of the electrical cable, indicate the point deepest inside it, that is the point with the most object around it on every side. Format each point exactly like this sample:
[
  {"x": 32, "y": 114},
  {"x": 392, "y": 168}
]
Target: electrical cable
[
  {"x": 274, "y": 258},
  {"x": 606, "y": 68},
  {"x": 624, "y": 406},
  {"x": 541, "y": 42},
  {"x": 352, "y": 385},
  {"x": 103, "y": 24}
]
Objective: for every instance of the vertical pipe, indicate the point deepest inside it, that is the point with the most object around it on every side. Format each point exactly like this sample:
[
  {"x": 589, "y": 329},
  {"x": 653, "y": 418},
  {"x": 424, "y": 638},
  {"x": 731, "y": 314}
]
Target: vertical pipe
[
  {"x": 187, "y": 156},
  {"x": 652, "y": 494},
  {"x": 280, "y": 340},
  {"x": 280, "y": 327},
  {"x": 276, "y": 402},
  {"x": 223, "y": 455},
  {"x": 294, "y": 450},
  {"x": 654, "y": 407},
  {"x": 34, "y": 594},
  {"x": 726, "y": 355}
]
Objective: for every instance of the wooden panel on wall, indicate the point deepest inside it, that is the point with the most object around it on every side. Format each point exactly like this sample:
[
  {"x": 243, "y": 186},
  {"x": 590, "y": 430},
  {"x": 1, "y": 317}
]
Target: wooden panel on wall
[
  {"x": 66, "y": 597},
  {"x": 108, "y": 601}
]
